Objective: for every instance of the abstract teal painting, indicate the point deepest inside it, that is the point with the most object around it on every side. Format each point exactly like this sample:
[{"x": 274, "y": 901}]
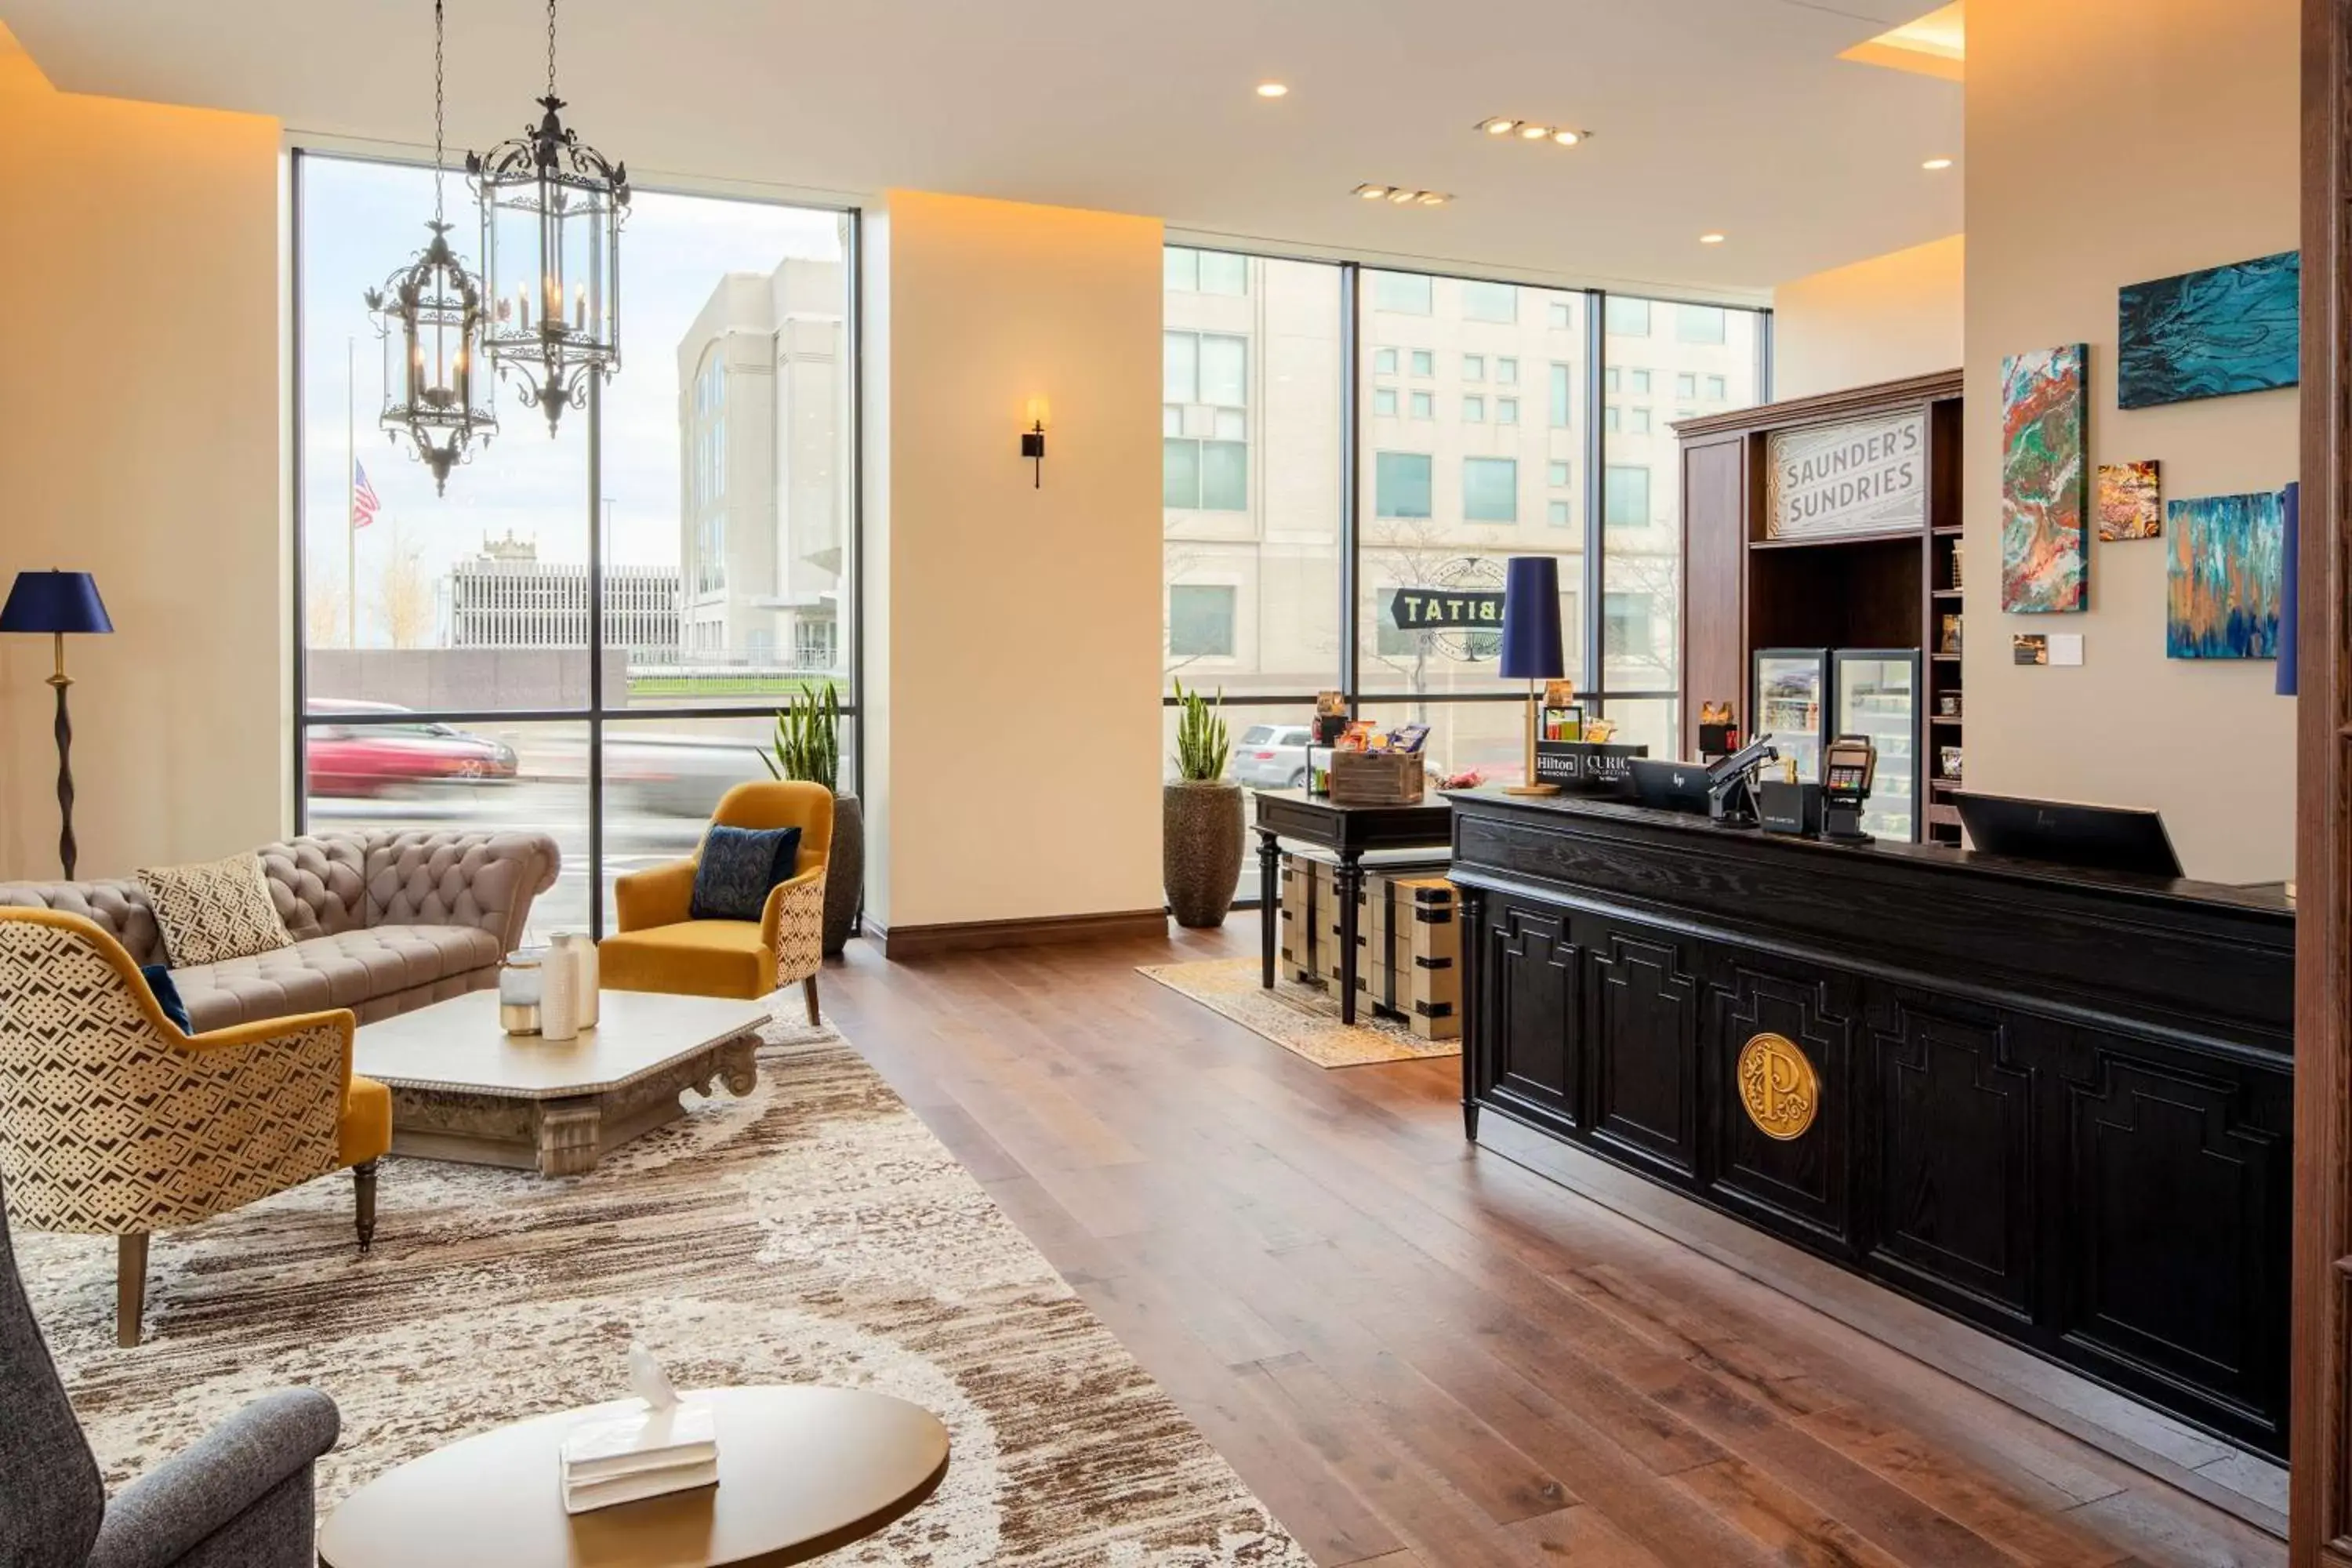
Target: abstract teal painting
[
  {"x": 2042, "y": 482},
  {"x": 2224, "y": 575},
  {"x": 2210, "y": 333}
]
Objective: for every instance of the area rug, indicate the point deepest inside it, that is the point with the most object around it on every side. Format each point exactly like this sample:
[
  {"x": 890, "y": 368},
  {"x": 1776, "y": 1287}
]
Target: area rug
[
  {"x": 1299, "y": 1017},
  {"x": 815, "y": 1232}
]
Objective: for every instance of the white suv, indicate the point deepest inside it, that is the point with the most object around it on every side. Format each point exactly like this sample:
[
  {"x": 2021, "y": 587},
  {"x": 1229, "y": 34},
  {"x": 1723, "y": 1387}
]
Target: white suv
[{"x": 1272, "y": 756}]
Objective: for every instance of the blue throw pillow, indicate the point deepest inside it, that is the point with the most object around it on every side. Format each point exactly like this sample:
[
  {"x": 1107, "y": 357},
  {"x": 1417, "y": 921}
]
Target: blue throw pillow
[
  {"x": 739, "y": 866},
  {"x": 167, "y": 995}
]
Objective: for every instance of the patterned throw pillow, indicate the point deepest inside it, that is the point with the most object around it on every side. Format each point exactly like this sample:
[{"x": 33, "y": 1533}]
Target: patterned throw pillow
[
  {"x": 738, "y": 868},
  {"x": 215, "y": 910}
]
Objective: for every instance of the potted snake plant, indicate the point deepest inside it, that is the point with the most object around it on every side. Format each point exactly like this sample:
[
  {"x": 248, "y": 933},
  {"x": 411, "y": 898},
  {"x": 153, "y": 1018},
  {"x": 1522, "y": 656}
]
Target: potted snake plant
[
  {"x": 807, "y": 747},
  {"x": 1201, "y": 817}
]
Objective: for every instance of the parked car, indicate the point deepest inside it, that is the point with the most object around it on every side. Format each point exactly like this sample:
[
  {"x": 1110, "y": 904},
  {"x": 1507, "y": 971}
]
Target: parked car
[
  {"x": 1272, "y": 756},
  {"x": 390, "y": 755}
]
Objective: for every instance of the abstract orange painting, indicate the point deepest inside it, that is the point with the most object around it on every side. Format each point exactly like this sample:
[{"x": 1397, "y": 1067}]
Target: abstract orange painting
[{"x": 2128, "y": 508}]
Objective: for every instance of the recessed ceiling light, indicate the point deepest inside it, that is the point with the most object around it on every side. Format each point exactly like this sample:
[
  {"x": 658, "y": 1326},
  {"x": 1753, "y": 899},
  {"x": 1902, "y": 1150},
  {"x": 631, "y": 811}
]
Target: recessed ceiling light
[
  {"x": 1499, "y": 126},
  {"x": 1404, "y": 197},
  {"x": 1568, "y": 138},
  {"x": 1434, "y": 198},
  {"x": 1937, "y": 164},
  {"x": 1372, "y": 193},
  {"x": 1535, "y": 133},
  {"x": 1273, "y": 89},
  {"x": 1710, "y": 239}
]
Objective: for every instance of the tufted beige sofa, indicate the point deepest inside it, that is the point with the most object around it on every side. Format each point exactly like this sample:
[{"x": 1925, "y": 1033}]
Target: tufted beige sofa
[{"x": 383, "y": 921}]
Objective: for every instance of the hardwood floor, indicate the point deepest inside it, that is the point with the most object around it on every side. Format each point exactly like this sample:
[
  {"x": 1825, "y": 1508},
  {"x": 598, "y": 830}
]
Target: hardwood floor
[{"x": 1421, "y": 1354}]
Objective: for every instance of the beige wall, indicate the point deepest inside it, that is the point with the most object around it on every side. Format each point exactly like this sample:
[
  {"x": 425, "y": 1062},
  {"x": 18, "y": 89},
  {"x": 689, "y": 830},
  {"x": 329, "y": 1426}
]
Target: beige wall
[
  {"x": 1013, "y": 634},
  {"x": 1879, "y": 319},
  {"x": 2108, "y": 141},
  {"x": 139, "y": 420}
]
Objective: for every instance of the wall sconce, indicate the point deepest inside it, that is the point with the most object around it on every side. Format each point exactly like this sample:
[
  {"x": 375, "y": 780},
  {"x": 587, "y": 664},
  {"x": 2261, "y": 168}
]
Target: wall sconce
[{"x": 1032, "y": 439}]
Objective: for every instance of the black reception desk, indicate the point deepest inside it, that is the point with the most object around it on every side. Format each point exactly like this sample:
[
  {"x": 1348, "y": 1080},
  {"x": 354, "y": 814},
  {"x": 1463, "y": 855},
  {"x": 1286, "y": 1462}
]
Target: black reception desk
[{"x": 2055, "y": 1104}]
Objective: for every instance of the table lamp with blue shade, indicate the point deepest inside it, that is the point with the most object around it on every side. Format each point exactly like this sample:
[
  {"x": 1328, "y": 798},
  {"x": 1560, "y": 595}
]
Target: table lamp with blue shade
[
  {"x": 58, "y": 603},
  {"x": 1531, "y": 643}
]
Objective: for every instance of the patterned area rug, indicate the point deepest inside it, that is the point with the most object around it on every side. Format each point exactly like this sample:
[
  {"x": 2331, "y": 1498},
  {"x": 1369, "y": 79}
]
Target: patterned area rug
[
  {"x": 815, "y": 1231},
  {"x": 1302, "y": 1019}
]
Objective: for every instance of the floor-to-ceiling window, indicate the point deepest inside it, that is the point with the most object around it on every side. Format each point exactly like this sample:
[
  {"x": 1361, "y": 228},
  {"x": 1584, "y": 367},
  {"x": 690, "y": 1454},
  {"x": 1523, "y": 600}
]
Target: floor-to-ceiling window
[
  {"x": 1253, "y": 402},
  {"x": 1335, "y": 434},
  {"x": 451, "y": 671}
]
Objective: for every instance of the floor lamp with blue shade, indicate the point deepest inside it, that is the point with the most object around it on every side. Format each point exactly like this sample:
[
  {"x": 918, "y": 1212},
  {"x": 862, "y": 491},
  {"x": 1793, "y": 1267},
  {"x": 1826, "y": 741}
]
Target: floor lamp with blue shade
[
  {"x": 1531, "y": 647},
  {"x": 59, "y": 603}
]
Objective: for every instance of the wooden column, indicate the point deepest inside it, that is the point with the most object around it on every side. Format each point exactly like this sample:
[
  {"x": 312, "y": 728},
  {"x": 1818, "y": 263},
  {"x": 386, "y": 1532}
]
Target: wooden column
[{"x": 2320, "y": 1513}]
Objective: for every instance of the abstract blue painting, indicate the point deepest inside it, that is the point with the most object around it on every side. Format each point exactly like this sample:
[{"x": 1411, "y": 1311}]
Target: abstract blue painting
[
  {"x": 2225, "y": 576},
  {"x": 2210, "y": 333}
]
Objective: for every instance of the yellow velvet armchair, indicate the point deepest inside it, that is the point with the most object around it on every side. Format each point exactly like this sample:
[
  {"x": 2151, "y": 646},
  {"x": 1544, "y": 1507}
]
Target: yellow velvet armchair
[
  {"x": 113, "y": 1123},
  {"x": 661, "y": 947}
]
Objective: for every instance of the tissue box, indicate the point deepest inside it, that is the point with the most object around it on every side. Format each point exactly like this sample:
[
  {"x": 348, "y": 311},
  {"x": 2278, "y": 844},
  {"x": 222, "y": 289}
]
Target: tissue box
[{"x": 639, "y": 1452}]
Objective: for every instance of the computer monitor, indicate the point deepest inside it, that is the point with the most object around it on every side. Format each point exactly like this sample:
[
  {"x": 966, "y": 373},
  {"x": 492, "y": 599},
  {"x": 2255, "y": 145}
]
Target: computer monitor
[
  {"x": 1669, "y": 785},
  {"x": 2097, "y": 837}
]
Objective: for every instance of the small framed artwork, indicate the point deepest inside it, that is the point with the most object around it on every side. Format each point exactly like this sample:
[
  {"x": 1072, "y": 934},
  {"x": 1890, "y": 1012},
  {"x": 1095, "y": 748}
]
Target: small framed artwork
[
  {"x": 1951, "y": 637},
  {"x": 2128, "y": 505},
  {"x": 1948, "y": 758},
  {"x": 1565, "y": 722},
  {"x": 2030, "y": 647}
]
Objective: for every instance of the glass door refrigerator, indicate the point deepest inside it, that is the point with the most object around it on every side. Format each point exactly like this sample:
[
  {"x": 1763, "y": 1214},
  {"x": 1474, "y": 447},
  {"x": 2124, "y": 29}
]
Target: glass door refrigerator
[
  {"x": 1791, "y": 705},
  {"x": 1877, "y": 692}
]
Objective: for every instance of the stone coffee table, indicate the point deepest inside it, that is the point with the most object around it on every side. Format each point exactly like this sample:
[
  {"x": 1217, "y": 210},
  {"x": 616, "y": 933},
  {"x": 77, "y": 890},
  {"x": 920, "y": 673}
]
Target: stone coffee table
[{"x": 463, "y": 1089}]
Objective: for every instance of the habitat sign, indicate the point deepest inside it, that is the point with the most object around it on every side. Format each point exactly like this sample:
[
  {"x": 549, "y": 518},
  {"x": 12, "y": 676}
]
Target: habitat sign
[
  {"x": 1446, "y": 609},
  {"x": 1866, "y": 477}
]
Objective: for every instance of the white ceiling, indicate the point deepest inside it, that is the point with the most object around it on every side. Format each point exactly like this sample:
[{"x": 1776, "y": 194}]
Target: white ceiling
[{"x": 1732, "y": 115}]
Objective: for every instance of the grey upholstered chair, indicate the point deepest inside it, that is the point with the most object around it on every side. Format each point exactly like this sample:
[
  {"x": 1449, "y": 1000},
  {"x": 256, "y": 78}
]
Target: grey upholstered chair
[{"x": 238, "y": 1498}]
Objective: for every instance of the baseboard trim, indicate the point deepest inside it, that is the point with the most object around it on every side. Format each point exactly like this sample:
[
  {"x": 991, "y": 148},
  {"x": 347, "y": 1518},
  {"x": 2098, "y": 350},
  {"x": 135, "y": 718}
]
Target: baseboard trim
[{"x": 900, "y": 942}]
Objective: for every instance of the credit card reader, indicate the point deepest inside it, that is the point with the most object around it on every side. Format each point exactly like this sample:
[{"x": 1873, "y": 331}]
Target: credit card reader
[{"x": 1848, "y": 769}]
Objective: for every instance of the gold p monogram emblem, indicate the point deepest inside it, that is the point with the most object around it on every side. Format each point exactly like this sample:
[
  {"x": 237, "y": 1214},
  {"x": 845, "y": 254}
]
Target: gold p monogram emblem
[{"x": 1777, "y": 1086}]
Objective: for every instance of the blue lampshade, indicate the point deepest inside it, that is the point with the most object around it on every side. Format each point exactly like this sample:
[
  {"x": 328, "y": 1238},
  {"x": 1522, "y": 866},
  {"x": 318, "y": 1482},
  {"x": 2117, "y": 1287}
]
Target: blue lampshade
[
  {"x": 1531, "y": 618},
  {"x": 55, "y": 602}
]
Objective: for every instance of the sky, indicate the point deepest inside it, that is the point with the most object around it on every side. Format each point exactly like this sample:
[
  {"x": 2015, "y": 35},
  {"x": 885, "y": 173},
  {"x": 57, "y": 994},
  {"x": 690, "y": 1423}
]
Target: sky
[{"x": 360, "y": 223}]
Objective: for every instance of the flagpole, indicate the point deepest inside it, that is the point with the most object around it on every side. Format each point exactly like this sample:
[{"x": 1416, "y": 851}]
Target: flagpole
[{"x": 350, "y": 493}]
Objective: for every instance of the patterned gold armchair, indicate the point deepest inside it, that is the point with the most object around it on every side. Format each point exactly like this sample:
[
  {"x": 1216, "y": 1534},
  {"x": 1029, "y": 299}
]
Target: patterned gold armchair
[
  {"x": 113, "y": 1123},
  {"x": 661, "y": 947}
]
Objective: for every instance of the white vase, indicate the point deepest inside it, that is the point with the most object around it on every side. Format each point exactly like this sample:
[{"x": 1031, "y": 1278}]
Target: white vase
[
  {"x": 558, "y": 990},
  {"x": 581, "y": 952}
]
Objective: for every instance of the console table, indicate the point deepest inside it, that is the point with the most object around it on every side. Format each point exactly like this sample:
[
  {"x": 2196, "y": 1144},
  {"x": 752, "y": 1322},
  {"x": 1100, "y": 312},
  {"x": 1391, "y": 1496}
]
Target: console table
[{"x": 1348, "y": 831}]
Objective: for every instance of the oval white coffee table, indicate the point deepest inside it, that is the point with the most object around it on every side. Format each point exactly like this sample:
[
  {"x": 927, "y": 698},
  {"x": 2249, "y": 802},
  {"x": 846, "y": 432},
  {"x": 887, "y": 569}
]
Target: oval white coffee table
[{"x": 802, "y": 1471}]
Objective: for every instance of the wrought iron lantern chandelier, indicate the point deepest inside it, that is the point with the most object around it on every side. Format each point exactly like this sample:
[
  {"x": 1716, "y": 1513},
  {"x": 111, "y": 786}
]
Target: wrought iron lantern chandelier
[
  {"x": 429, "y": 315},
  {"x": 551, "y": 214}
]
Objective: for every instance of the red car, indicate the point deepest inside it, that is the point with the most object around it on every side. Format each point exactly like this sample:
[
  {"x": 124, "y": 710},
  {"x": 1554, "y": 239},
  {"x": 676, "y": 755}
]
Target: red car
[{"x": 384, "y": 758}]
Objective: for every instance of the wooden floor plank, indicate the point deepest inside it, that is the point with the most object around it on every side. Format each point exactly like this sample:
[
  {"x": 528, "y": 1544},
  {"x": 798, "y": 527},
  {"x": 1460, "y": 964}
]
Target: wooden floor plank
[{"x": 1422, "y": 1354}]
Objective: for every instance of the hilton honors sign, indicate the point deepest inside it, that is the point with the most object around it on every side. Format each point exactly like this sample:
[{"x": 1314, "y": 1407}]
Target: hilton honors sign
[{"x": 1867, "y": 477}]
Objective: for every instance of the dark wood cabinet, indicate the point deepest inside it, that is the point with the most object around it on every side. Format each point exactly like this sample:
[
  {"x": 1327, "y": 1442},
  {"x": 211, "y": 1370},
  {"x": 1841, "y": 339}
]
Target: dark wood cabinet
[
  {"x": 2053, "y": 1104},
  {"x": 1891, "y": 587}
]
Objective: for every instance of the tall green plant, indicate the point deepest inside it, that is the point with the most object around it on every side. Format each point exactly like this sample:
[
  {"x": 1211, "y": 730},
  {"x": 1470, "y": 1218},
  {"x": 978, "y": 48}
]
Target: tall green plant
[
  {"x": 1201, "y": 744},
  {"x": 808, "y": 739}
]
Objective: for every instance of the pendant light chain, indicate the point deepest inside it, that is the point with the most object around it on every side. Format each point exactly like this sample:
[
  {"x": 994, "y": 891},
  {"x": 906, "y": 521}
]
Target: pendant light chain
[
  {"x": 551, "y": 48},
  {"x": 438, "y": 153}
]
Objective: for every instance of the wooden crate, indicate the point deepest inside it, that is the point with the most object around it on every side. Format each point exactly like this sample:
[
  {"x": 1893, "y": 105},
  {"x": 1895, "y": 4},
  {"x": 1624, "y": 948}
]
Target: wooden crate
[{"x": 1377, "y": 778}]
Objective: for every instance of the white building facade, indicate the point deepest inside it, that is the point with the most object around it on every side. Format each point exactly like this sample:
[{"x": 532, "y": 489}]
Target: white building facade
[{"x": 764, "y": 503}]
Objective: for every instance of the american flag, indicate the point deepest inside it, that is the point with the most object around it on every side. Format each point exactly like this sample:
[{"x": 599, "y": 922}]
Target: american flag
[{"x": 363, "y": 499}]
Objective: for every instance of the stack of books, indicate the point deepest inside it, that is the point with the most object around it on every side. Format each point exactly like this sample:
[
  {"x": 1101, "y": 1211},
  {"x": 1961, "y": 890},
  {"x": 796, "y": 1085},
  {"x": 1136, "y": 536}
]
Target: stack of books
[{"x": 641, "y": 1453}]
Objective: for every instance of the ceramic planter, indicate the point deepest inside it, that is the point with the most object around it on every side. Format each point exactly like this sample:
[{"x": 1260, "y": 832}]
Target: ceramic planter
[
  {"x": 844, "y": 874},
  {"x": 1201, "y": 835}
]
